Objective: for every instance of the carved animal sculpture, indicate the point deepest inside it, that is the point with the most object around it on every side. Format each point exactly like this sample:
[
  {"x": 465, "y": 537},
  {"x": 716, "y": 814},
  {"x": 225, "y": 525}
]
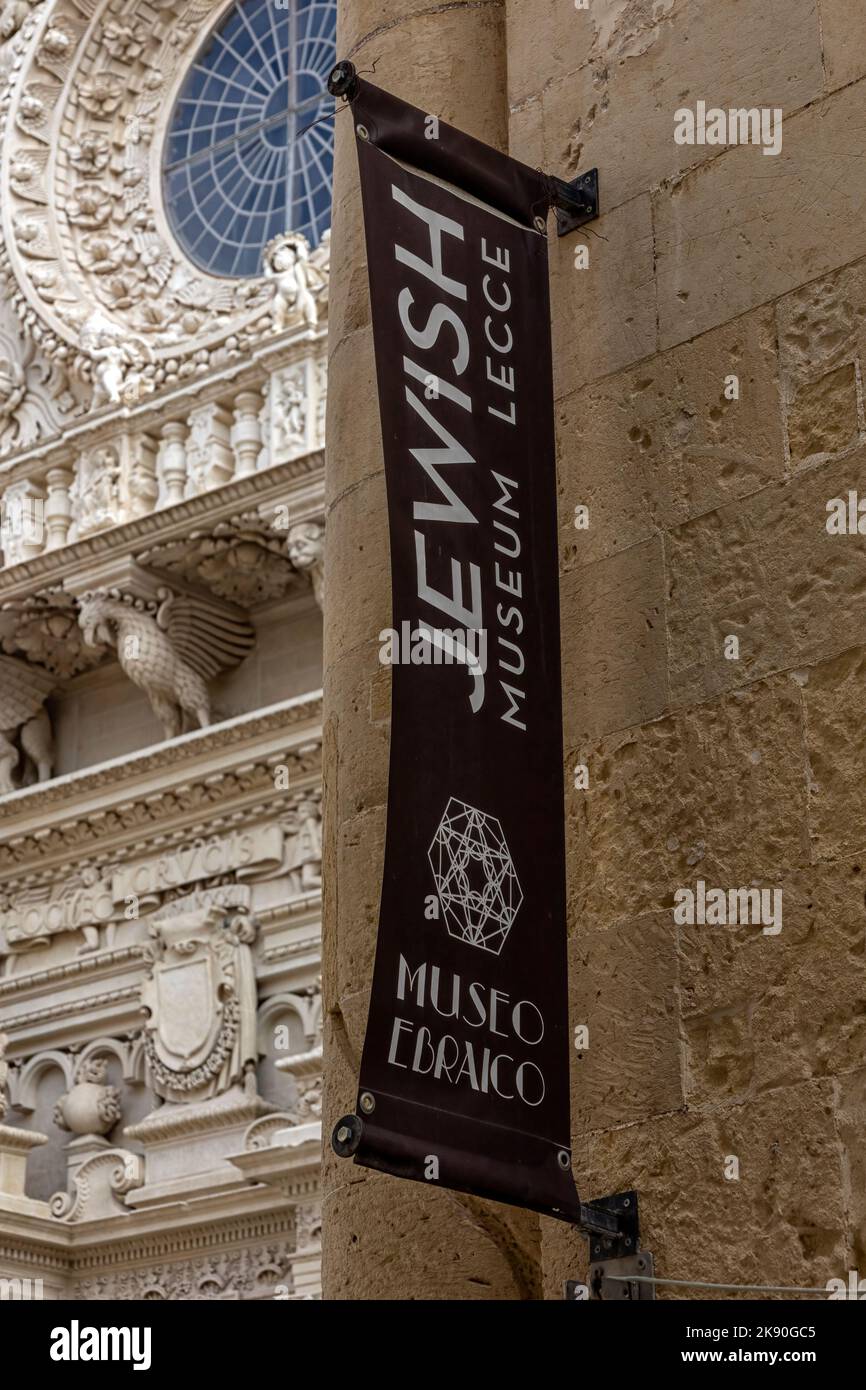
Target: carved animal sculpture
[
  {"x": 169, "y": 653},
  {"x": 25, "y": 729}
]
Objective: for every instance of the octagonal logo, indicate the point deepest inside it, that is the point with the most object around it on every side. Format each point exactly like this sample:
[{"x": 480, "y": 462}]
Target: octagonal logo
[{"x": 475, "y": 879}]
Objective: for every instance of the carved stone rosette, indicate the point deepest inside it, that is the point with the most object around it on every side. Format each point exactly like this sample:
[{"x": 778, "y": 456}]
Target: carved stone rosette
[{"x": 200, "y": 1001}]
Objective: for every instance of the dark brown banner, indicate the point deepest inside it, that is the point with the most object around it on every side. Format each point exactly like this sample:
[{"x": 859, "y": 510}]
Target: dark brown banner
[{"x": 465, "y": 1071}]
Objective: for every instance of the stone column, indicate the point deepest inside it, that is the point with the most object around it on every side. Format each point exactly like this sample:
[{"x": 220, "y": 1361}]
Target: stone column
[
  {"x": 172, "y": 463},
  {"x": 58, "y": 508},
  {"x": 384, "y": 1238},
  {"x": 247, "y": 432}
]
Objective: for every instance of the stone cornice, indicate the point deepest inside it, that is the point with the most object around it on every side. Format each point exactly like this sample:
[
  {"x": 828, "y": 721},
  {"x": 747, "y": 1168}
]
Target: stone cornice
[
  {"x": 212, "y": 775},
  {"x": 151, "y": 413},
  {"x": 300, "y": 478}
]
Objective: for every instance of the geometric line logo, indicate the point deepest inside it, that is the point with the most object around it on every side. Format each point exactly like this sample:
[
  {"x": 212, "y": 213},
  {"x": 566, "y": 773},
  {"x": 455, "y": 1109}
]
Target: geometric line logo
[{"x": 475, "y": 878}]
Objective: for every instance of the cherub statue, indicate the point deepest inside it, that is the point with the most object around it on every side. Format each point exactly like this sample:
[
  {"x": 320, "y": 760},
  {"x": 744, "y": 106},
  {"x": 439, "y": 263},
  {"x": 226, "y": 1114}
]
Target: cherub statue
[
  {"x": 118, "y": 362},
  {"x": 287, "y": 264}
]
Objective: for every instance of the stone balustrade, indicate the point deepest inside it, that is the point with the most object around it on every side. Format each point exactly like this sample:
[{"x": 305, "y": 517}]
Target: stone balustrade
[{"x": 168, "y": 448}]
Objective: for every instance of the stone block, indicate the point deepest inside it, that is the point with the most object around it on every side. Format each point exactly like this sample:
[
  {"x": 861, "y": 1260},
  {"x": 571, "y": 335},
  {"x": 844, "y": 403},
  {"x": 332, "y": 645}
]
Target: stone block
[
  {"x": 766, "y": 571},
  {"x": 715, "y": 792},
  {"x": 743, "y": 229},
  {"x": 605, "y": 315},
  {"x": 614, "y": 657},
  {"x": 834, "y": 696},
  {"x": 615, "y": 109},
  {"x": 623, "y": 988}
]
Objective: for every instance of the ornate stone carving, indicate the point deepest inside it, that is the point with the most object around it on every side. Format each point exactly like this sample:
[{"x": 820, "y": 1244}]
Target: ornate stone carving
[
  {"x": 4, "y": 1077},
  {"x": 25, "y": 728},
  {"x": 99, "y": 1186},
  {"x": 209, "y": 456},
  {"x": 244, "y": 1273},
  {"x": 44, "y": 628},
  {"x": 243, "y": 560},
  {"x": 91, "y": 1106},
  {"x": 80, "y": 901},
  {"x": 296, "y": 281},
  {"x": 200, "y": 1001},
  {"x": 303, "y": 857},
  {"x": 168, "y": 648},
  {"x": 306, "y": 1071},
  {"x": 120, "y": 361},
  {"x": 96, "y": 490},
  {"x": 306, "y": 547}
]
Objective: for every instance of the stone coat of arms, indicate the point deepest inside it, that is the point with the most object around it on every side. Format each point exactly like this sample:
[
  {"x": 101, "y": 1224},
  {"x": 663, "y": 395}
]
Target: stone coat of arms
[{"x": 200, "y": 1000}]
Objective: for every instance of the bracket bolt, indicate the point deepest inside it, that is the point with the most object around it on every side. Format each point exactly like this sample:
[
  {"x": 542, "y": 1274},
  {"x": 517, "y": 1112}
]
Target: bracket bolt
[{"x": 343, "y": 1133}]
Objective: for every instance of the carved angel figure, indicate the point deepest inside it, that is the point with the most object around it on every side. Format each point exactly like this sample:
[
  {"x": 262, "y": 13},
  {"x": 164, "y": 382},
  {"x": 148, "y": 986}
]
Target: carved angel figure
[
  {"x": 25, "y": 729},
  {"x": 118, "y": 362},
  {"x": 287, "y": 264},
  {"x": 170, "y": 653}
]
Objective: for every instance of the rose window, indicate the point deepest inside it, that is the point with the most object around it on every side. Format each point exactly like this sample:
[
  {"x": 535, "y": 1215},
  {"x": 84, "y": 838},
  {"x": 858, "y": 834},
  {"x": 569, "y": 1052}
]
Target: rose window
[{"x": 246, "y": 156}]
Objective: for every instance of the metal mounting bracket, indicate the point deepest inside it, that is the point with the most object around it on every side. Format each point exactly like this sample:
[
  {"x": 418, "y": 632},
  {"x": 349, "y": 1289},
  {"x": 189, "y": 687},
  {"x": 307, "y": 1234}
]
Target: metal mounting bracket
[
  {"x": 576, "y": 202},
  {"x": 616, "y": 1281}
]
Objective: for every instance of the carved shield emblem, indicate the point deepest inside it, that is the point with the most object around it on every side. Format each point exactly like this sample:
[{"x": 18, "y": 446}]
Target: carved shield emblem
[{"x": 188, "y": 1009}]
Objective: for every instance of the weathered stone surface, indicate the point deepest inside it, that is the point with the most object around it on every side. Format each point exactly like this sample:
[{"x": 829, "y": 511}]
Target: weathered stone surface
[
  {"x": 384, "y": 1233},
  {"x": 717, "y": 792},
  {"x": 360, "y": 855},
  {"x": 851, "y": 1120},
  {"x": 783, "y": 1222},
  {"x": 762, "y": 1011},
  {"x": 767, "y": 571},
  {"x": 649, "y": 60},
  {"x": 606, "y": 315},
  {"x": 355, "y": 413},
  {"x": 843, "y": 39},
  {"x": 623, "y": 988},
  {"x": 614, "y": 658},
  {"x": 823, "y": 417},
  {"x": 651, "y": 446},
  {"x": 357, "y": 545},
  {"x": 833, "y": 699},
  {"x": 743, "y": 229},
  {"x": 820, "y": 329}
]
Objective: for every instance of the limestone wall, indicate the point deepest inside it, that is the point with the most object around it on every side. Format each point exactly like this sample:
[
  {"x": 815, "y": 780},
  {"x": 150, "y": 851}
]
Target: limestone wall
[{"x": 739, "y": 764}]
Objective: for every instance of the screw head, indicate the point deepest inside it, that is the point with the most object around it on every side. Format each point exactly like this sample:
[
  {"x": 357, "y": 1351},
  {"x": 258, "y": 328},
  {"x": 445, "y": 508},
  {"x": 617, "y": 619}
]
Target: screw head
[
  {"x": 368, "y": 1103},
  {"x": 343, "y": 1133}
]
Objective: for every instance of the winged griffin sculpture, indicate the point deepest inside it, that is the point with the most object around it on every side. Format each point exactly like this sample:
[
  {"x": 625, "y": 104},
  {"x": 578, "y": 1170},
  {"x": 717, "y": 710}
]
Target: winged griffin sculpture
[
  {"x": 169, "y": 649},
  {"x": 25, "y": 729}
]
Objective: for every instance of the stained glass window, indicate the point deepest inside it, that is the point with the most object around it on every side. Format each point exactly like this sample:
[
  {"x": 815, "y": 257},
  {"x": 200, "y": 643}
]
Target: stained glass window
[{"x": 243, "y": 160}]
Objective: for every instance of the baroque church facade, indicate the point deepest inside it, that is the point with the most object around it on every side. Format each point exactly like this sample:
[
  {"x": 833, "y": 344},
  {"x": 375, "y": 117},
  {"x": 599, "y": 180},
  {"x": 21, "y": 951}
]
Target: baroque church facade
[{"x": 165, "y": 204}]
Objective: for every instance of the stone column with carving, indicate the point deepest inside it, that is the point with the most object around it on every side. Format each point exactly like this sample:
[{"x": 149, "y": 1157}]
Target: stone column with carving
[
  {"x": 384, "y": 1238},
  {"x": 210, "y": 458}
]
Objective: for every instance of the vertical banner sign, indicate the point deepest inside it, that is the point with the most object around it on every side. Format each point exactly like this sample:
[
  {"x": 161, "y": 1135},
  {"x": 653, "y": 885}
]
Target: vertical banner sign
[{"x": 465, "y": 1071}]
